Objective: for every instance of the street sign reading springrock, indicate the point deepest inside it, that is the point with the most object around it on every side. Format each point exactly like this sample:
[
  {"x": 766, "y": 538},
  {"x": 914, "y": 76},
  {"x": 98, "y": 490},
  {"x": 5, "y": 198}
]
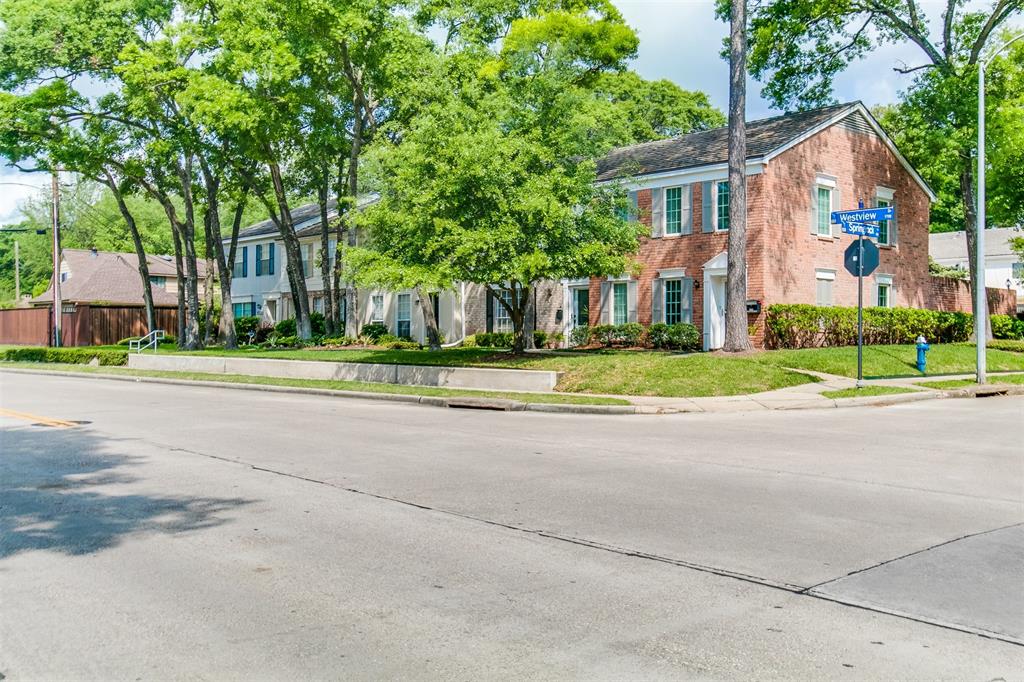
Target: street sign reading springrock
[{"x": 861, "y": 229}]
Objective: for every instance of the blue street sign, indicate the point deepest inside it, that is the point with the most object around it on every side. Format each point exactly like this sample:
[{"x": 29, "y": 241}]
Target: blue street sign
[
  {"x": 861, "y": 229},
  {"x": 864, "y": 215}
]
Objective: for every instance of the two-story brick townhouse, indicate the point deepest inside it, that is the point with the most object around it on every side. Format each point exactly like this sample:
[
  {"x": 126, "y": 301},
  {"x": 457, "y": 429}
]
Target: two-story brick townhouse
[
  {"x": 800, "y": 168},
  {"x": 259, "y": 284}
]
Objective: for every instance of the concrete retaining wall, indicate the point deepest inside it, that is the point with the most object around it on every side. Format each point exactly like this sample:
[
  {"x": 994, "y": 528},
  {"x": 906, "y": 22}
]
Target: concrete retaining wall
[{"x": 417, "y": 375}]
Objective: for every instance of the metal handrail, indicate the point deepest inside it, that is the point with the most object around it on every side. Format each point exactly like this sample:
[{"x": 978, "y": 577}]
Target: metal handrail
[{"x": 150, "y": 340}]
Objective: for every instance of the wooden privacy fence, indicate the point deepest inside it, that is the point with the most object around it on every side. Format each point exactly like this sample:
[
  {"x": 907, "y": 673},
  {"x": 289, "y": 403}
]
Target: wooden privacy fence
[{"x": 81, "y": 324}]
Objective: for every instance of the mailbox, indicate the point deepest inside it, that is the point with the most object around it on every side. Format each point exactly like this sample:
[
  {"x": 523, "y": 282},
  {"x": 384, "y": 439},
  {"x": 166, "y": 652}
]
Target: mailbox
[{"x": 753, "y": 306}]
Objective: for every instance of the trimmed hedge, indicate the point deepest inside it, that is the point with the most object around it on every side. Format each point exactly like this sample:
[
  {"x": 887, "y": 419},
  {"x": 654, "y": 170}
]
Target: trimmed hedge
[
  {"x": 1006, "y": 327},
  {"x": 494, "y": 339},
  {"x": 374, "y": 330},
  {"x": 807, "y": 326},
  {"x": 68, "y": 356},
  {"x": 679, "y": 336}
]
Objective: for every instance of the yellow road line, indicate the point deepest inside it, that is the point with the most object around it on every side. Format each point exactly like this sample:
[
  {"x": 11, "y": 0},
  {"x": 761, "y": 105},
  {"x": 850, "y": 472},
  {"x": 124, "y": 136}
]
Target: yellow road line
[{"x": 35, "y": 418}]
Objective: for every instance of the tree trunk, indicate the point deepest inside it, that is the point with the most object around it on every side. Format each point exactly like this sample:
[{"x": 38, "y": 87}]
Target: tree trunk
[
  {"x": 517, "y": 313},
  {"x": 208, "y": 282},
  {"x": 140, "y": 253},
  {"x": 971, "y": 232},
  {"x": 225, "y": 263},
  {"x": 293, "y": 254},
  {"x": 325, "y": 258},
  {"x": 427, "y": 310},
  {"x": 736, "y": 334},
  {"x": 179, "y": 271}
]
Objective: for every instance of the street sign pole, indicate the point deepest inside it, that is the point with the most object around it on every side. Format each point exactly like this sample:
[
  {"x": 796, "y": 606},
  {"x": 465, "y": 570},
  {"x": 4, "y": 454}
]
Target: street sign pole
[{"x": 860, "y": 312}]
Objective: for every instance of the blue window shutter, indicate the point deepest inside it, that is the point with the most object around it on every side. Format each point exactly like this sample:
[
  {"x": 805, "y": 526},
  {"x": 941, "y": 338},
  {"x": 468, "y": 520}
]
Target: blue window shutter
[
  {"x": 707, "y": 201},
  {"x": 271, "y": 269},
  {"x": 245, "y": 261},
  {"x": 259, "y": 259}
]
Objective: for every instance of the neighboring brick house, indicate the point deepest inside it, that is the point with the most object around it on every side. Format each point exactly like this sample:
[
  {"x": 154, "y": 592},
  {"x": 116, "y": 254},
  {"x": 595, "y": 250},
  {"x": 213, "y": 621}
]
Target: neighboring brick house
[{"x": 800, "y": 167}]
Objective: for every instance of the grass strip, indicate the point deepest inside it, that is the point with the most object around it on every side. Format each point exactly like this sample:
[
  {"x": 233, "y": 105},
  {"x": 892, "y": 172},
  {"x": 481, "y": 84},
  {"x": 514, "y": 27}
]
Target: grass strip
[
  {"x": 367, "y": 387},
  {"x": 951, "y": 384},
  {"x": 867, "y": 391}
]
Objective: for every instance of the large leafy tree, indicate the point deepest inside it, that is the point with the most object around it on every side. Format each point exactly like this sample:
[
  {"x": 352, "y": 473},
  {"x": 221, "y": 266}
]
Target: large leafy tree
[
  {"x": 799, "y": 46},
  {"x": 490, "y": 184}
]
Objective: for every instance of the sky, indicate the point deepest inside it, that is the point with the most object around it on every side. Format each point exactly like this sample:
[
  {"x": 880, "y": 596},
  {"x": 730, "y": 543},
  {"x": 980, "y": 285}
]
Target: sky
[{"x": 680, "y": 40}]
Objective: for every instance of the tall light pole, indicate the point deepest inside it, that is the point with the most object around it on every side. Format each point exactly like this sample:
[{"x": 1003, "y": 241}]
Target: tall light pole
[
  {"x": 58, "y": 305},
  {"x": 980, "y": 299}
]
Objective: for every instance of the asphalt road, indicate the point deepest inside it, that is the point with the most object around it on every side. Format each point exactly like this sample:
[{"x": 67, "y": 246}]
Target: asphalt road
[{"x": 206, "y": 533}]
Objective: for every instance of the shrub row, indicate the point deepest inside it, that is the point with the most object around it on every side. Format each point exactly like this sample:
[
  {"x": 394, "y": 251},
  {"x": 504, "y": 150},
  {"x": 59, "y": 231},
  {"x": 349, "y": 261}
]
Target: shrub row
[
  {"x": 70, "y": 356},
  {"x": 679, "y": 336},
  {"x": 809, "y": 326},
  {"x": 1006, "y": 327}
]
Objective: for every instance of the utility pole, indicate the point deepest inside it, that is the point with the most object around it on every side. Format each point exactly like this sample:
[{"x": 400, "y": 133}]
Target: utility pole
[
  {"x": 17, "y": 274},
  {"x": 57, "y": 303}
]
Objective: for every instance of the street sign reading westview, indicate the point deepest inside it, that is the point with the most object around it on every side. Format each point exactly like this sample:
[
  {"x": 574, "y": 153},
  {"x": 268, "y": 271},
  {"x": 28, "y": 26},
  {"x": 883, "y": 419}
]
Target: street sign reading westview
[
  {"x": 870, "y": 257},
  {"x": 864, "y": 215},
  {"x": 861, "y": 229}
]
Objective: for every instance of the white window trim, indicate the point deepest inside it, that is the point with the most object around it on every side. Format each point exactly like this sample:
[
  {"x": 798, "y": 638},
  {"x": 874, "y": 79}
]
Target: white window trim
[
  {"x": 714, "y": 212},
  {"x": 619, "y": 278},
  {"x": 831, "y": 183},
  {"x": 672, "y": 273},
  {"x": 685, "y": 199},
  {"x": 373, "y": 308},
  {"x": 821, "y": 273},
  {"x": 888, "y": 195}
]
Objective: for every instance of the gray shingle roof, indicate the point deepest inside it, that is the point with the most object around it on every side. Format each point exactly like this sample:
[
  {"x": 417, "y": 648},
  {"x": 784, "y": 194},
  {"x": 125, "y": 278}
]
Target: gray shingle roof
[
  {"x": 711, "y": 146},
  {"x": 110, "y": 277},
  {"x": 952, "y": 246},
  {"x": 306, "y": 219}
]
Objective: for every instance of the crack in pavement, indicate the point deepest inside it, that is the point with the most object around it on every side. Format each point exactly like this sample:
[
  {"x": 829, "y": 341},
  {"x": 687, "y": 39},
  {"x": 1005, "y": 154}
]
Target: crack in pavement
[{"x": 797, "y": 590}]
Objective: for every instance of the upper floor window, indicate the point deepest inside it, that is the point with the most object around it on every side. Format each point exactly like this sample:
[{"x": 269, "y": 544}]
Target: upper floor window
[
  {"x": 265, "y": 259},
  {"x": 825, "y": 211},
  {"x": 241, "y": 266},
  {"x": 307, "y": 260},
  {"x": 158, "y": 281},
  {"x": 884, "y": 197},
  {"x": 676, "y": 209},
  {"x": 722, "y": 206}
]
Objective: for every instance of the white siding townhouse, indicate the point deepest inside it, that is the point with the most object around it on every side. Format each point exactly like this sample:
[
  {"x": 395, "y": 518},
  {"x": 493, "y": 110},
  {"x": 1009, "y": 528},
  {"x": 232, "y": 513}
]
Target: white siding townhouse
[{"x": 259, "y": 284}]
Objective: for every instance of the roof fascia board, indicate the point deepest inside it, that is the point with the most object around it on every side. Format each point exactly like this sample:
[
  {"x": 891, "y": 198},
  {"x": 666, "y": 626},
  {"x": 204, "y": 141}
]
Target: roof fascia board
[
  {"x": 858, "y": 107},
  {"x": 686, "y": 176}
]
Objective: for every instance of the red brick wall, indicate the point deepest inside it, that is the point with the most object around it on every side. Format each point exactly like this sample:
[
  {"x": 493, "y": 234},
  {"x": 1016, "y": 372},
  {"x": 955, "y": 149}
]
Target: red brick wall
[
  {"x": 782, "y": 252},
  {"x": 951, "y": 294},
  {"x": 860, "y": 162}
]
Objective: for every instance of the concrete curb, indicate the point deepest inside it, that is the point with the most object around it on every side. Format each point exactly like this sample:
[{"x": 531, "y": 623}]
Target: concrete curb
[
  {"x": 468, "y": 402},
  {"x": 506, "y": 405}
]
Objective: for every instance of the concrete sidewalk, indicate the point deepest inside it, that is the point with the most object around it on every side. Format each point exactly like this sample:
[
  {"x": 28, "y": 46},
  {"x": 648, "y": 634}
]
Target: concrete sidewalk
[{"x": 804, "y": 396}]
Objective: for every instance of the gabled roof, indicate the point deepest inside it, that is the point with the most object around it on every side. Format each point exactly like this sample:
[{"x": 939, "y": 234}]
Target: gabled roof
[
  {"x": 110, "y": 277},
  {"x": 766, "y": 139},
  {"x": 306, "y": 219}
]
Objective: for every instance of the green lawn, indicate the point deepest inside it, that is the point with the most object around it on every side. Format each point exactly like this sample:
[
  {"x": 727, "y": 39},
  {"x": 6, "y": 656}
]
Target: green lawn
[
  {"x": 673, "y": 375},
  {"x": 893, "y": 361},
  {"x": 951, "y": 384},
  {"x": 333, "y": 385},
  {"x": 867, "y": 391}
]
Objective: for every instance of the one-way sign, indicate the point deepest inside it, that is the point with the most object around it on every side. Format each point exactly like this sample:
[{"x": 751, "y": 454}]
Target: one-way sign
[
  {"x": 864, "y": 215},
  {"x": 870, "y": 257}
]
